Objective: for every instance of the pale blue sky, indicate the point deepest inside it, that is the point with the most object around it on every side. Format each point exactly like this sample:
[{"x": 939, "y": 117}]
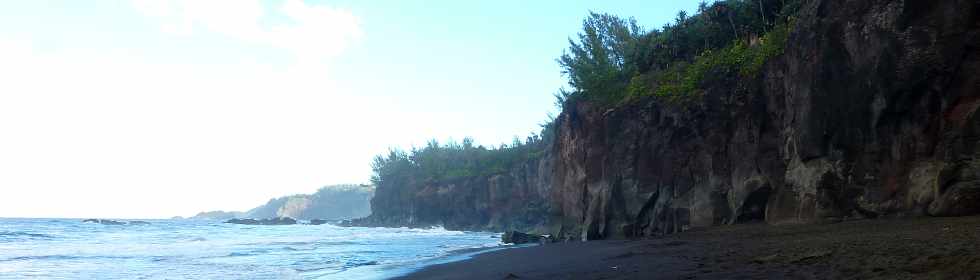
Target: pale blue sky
[{"x": 223, "y": 104}]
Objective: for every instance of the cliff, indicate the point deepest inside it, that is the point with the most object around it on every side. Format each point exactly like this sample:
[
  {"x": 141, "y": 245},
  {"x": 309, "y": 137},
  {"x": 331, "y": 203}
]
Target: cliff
[
  {"x": 513, "y": 199},
  {"x": 330, "y": 202},
  {"x": 218, "y": 215},
  {"x": 869, "y": 112}
]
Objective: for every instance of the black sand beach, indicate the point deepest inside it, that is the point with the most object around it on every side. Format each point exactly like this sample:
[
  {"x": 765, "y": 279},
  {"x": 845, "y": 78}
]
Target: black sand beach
[{"x": 922, "y": 248}]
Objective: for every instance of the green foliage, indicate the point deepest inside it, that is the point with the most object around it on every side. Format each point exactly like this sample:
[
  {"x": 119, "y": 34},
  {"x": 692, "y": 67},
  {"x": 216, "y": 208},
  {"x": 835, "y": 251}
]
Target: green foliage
[
  {"x": 600, "y": 64},
  {"x": 439, "y": 162},
  {"x": 684, "y": 81},
  {"x": 772, "y": 44},
  {"x": 614, "y": 60}
]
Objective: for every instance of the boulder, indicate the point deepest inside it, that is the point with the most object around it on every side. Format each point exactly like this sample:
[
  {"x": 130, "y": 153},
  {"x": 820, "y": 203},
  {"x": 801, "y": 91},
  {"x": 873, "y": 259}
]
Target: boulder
[
  {"x": 104, "y": 222},
  {"x": 517, "y": 237},
  {"x": 317, "y": 222}
]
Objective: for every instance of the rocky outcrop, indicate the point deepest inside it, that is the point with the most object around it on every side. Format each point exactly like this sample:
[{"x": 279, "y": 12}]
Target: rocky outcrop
[
  {"x": 104, "y": 222},
  {"x": 265, "y": 222},
  {"x": 871, "y": 111},
  {"x": 514, "y": 199},
  {"x": 218, "y": 215},
  {"x": 330, "y": 202},
  {"x": 115, "y": 223},
  {"x": 517, "y": 237},
  {"x": 335, "y": 202}
]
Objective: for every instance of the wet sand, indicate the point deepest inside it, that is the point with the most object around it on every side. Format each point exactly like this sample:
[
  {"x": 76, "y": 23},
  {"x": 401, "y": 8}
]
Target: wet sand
[{"x": 922, "y": 248}]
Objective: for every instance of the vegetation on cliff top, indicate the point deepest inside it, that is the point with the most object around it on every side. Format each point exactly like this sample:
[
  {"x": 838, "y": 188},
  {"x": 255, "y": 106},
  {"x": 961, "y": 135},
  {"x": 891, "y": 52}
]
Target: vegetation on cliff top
[
  {"x": 615, "y": 60},
  {"x": 437, "y": 162}
]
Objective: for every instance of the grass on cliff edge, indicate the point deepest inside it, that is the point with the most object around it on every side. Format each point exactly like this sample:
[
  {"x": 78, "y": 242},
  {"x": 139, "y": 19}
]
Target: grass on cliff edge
[{"x": 685, "y": 82}]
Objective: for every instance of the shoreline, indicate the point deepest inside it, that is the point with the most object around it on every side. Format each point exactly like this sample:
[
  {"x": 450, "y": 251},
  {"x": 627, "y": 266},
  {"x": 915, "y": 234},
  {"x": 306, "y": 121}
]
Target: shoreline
[
  {"x": 913, "y": 248},
  {"x": 396, "y": 270}
]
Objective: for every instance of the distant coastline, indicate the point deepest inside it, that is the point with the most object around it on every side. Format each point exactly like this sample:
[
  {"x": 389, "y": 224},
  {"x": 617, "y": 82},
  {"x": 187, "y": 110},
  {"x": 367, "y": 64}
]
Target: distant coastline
[{"x": 334, "y": 202}]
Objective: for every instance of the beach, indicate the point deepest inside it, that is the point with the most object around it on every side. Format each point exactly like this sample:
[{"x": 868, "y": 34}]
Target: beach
[{"x": 914, "y": 248}]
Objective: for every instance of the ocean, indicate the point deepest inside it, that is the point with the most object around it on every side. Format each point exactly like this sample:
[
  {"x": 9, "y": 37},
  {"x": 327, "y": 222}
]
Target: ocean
[{"x": 203, "y": 249}]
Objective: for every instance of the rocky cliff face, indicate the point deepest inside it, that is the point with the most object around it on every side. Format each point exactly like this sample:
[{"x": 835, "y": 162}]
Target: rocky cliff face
[
  {"x": 515, "y": 199},
  {"x": 871, "y": 111},
  {"x": 218, "y": 215},
  {"x": 331, "y": 202}
]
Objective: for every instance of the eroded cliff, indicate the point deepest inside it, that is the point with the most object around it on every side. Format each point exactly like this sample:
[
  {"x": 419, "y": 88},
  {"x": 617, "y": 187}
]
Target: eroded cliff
[
  {"x": 514, "y": 199},
  {"x": 870, "y": 111},
  {"x": 333, "y": 202}
]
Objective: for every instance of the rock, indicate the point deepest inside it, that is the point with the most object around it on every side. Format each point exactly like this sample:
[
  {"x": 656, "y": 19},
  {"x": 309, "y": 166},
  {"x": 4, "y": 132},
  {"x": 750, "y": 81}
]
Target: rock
[
  {"x": 958, "y": 200},
  {"x": 104, "y": 222},
  {"x": 811, "y": 255},
  {"x": 859, "y": 118},
  {"x": 242, "y": 221},
  {"x": 264, "y": 222},
  {"x": 317, "y": 222},
  {"x": 138, "y": 223},
  {"x": 218, "y": 215},
  {"x": 515, "y": 198},
  {"x": 766, "y": 259},
  {"x": 516, "y": 237},
  {"x": 330, "y": 202},
  {"x": 870, "y": 111}
]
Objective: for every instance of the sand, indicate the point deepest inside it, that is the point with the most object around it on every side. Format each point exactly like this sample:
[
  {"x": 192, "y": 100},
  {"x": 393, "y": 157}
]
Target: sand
[{"x": 921, "y": 248}]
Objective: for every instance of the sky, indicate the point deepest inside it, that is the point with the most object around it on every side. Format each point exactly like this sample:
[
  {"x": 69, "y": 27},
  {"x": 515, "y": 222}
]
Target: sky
[{"x": 160, "y": 108}]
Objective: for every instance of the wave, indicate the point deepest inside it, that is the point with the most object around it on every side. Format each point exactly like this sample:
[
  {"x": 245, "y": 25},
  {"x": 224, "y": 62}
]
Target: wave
[
  {"x": 186, "y": 248},
  {"x": 438, "y": 230},
  {"x": 279, "y": 243},
  {"x": 59, "y": 258},
  {"x": 295, "y": 249},
  {"x": 357, "y": 263},
  {"x": 312, "y": 269},
  {"x": 27, "y": 234},
  {"x": 328, "y": 243},
  {"x": 19, "y": 236},
  {"x": 286, "y": 243},
  {"x": 248, "y": 253},
  {"x": 49, "y": 257}
]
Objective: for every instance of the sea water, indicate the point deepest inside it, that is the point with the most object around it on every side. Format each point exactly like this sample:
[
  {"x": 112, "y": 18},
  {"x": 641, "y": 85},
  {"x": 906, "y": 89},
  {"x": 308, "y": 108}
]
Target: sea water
[{"x": 202, "y": 249}]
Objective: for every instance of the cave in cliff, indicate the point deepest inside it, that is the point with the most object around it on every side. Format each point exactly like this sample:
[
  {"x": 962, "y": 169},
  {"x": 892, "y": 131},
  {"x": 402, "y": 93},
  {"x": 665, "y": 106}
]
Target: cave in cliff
[{"x": 754, "y": 207}]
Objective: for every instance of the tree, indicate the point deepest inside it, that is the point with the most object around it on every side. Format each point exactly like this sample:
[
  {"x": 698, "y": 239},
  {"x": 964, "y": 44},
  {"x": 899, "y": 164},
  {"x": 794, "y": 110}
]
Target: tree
[{"x": 602, "y": 61}]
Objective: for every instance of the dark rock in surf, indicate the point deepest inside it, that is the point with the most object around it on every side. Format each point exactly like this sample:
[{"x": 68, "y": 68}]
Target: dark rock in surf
[
  {"x": 265, "y": 222},
  {"x": 316, "y": 222},
  {"x": 517, "y": 237},
  {"x": 104, "y": 222}
]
